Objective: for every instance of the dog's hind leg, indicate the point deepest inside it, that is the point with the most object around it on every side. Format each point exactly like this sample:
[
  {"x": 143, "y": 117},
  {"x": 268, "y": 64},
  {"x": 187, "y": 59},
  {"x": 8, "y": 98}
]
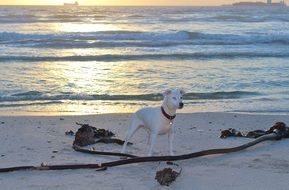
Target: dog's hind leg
[{"x": 134, "y": 126}]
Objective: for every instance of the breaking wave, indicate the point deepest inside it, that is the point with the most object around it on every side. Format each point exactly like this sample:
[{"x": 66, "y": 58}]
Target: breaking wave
[
  {"x": 39, "y": 96},
  {"x": 118, "y": 57},
  {"x": 136, "y": 39}
]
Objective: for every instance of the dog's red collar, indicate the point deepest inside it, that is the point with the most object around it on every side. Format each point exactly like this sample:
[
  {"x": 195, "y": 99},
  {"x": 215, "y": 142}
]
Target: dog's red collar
[{"x": 169, "y": 117}]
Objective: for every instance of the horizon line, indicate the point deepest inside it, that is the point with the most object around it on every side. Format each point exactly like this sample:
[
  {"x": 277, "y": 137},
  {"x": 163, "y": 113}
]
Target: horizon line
[{"x": 117, "y": 5}]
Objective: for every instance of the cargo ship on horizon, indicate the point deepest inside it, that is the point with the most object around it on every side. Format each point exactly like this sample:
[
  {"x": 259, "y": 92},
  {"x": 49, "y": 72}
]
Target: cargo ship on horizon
[
  {"x": 259, "y": 3},
  {"x": 71, "y": 4}
]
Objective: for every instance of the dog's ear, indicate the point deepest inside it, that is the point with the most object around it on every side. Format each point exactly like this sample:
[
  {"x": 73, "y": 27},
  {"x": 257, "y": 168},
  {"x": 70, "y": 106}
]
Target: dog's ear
[
  {"x": 182, "y": 91},
  {"x": 167, "y": 92}
]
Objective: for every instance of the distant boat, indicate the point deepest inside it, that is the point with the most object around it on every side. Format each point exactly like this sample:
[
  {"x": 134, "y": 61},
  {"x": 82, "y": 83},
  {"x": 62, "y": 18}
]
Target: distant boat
[
  {"x": 258, "y": 3},
  {"x": 71, "y": 4}
]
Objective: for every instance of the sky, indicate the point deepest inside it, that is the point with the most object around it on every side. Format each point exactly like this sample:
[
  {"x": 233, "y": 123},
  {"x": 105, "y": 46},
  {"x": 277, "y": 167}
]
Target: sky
[{"x": 122, "y": 2}]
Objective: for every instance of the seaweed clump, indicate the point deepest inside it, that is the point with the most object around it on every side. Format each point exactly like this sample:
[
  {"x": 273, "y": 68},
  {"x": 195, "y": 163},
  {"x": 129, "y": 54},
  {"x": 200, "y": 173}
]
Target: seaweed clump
[
  {"x": 166, "y": 176},
  {"x": 279, "y": 128},
  {"x": 86, "y": 135}
]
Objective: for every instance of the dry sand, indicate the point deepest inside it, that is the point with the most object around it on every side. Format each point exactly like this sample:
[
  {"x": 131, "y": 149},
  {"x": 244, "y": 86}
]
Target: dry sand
[{"x": 27, "y": 140}]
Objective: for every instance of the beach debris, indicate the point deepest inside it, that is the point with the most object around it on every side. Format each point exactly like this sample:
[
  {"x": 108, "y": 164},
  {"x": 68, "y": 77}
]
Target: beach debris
[
  {"x": 70, "y": 133},
  {"x": 94, "y": 151},
  {"x": 163, "y": 177},
  {"x": 101, "y": 169},
  {"x": 61, "y": 119},
  {"x": 87, "y": 135},
  {"x": 278, "y": 127},
  {"x": 166, "y": 176},
  {"x": 2, "y": 155},
  {"x": 2, "y": 122},
  {"x": 230, "y": 133},
  {"x": 111, "y": 140},
  {"x": 98, "y": 132},
  {"x": 55, "y": 151},
  {"x": 84, "y": 136}
]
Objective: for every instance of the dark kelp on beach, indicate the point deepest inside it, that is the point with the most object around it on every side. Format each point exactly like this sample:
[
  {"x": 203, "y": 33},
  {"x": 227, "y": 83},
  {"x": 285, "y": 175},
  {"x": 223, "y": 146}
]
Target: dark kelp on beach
[{"x": 165, "y": 177}]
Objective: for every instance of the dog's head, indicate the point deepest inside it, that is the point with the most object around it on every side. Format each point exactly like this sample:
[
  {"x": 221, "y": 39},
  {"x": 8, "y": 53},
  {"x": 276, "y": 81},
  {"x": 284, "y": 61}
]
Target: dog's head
[{"x": 174, "y": 98}]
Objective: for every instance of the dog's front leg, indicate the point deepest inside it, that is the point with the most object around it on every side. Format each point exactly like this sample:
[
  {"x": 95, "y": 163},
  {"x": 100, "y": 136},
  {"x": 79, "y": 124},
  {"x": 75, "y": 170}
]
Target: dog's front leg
[
  {"x": 153, "y": 138},
  {"x": 171, "y": 138},
  {"x": 149, "y": 138}
]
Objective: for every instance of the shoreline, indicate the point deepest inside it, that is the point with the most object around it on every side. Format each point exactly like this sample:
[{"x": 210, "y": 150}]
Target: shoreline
[
  {"x": 32, "y": 140},
  {"x": 79, "y": 114}
]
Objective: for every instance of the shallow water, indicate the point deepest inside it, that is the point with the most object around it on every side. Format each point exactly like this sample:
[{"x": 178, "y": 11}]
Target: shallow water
[{"x": 85, "y": 60}]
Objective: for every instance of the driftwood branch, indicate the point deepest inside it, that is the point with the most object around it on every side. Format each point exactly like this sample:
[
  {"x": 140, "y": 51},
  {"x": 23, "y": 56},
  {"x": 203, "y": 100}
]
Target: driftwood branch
[
  {"x": 79, "y": 149},
  {"x": 272, "y": 136}
]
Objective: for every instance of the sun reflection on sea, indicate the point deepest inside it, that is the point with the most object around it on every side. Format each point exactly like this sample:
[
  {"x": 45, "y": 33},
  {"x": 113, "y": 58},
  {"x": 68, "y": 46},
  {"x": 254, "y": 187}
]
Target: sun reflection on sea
[
  {"x": 88, "y": 79},
  {"x": 82, "y": 27}
]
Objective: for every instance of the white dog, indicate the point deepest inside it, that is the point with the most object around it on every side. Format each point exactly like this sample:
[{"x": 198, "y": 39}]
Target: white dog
[{"x": 158, "y": 120}]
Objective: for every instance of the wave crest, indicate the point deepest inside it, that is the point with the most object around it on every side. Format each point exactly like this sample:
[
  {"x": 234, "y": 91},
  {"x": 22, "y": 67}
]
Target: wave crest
[
  {"x": 35, "y": 95},
  {"x": 176, "y": 56},
  {"x": 137, "y": 39}
]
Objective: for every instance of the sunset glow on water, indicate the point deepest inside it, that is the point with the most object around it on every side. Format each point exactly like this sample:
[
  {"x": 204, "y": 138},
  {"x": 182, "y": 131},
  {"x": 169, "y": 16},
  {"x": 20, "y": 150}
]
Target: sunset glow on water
[{"x": 89, "y": 60}]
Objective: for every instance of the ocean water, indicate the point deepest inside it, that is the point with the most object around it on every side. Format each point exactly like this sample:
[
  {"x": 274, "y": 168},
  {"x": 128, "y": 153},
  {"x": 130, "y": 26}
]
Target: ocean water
[{"x": 87, "y": 60}]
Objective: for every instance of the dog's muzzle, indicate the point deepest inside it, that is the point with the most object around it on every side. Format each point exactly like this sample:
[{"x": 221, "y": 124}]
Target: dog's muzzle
[{"x": 181, "y": 105}]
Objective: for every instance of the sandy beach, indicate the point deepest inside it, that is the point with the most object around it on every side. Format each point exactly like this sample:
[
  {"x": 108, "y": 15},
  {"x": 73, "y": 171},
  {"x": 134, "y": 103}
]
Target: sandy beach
[
  {"x": 96, "y": 64},
  {"x": 30, "y": 140}
]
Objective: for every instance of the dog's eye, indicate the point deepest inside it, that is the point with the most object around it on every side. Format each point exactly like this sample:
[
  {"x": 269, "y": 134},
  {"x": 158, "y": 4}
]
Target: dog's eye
[{"x": 181, "y": 98}]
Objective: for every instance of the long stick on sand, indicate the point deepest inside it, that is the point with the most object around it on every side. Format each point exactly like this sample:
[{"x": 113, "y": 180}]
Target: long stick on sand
[{"x": 272, "y": 136}]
